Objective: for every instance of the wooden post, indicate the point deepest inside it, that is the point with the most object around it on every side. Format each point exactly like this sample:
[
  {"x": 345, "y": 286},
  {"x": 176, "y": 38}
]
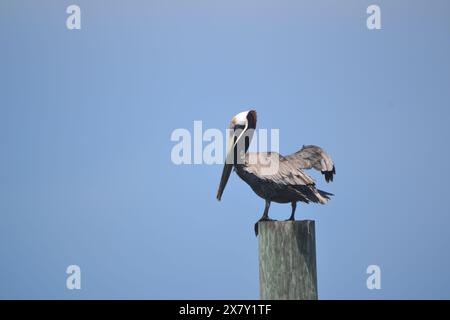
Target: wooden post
[{"x": 287, "y": 260}]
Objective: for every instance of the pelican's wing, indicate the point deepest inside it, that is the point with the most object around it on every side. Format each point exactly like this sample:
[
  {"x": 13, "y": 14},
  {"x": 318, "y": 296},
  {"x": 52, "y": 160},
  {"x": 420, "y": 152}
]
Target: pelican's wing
[
  {"x": 286, "y": 174},
  {"x": 313, "y": 157},
  {"x": 276, "y": 168}
]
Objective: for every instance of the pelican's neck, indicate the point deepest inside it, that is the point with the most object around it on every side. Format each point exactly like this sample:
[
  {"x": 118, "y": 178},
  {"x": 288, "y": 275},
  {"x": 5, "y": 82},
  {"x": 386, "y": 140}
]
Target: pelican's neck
[
  {"x": 241, "y": 161},
  {"x": 239, "y": 168}
]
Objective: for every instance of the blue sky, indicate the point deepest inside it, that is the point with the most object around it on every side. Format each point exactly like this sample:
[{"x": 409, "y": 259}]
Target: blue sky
[{"x": 86, "y": 118}]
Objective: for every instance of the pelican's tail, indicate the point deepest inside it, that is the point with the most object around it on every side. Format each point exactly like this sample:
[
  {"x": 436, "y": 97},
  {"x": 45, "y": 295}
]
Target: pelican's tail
[{"x": 323, "y": 196}]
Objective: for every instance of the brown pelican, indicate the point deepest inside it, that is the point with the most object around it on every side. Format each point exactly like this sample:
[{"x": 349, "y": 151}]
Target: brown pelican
[{"x": 288, "y": 182}]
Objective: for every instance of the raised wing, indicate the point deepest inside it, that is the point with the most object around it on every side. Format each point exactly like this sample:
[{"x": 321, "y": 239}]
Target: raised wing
[
  {"x": 276, "y": 168},
  {"x": 286, "y": 177},
  {"x": 313, "y": 157}
]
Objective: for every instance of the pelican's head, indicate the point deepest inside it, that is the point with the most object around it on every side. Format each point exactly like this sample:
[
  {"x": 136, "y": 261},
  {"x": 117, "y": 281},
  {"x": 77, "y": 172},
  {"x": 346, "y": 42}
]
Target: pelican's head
[{"x": 241, "y": 131}]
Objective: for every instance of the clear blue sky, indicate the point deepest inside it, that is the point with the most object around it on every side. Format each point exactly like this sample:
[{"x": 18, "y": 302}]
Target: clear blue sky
[{"x": 85, "y": 124}]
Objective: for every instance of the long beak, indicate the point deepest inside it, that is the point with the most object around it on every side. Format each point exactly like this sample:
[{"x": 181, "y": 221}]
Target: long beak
[
  {"x": 223, "y": 181},
  {"x": 228, "y": 165}
]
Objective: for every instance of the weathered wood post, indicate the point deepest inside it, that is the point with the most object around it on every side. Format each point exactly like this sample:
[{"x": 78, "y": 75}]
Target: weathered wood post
[{"x": 287, "y": 260}]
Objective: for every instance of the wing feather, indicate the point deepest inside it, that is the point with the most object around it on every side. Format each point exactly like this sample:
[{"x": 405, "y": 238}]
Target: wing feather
[
  {"x": 287, "y": 175},
  {"x": 314, "y": 157}
]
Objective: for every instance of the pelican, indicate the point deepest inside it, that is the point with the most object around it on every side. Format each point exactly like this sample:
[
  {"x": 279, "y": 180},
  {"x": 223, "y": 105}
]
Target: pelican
[{"x": 287, "y": 182}]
